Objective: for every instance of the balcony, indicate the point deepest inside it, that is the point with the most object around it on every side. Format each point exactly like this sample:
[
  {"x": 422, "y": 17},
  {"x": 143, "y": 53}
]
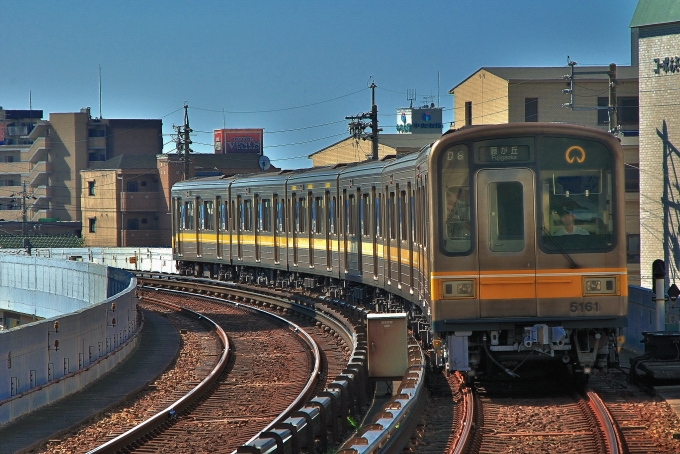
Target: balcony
[
  {"x": 37, "y": 152},
  {"x": 38, "y": 173},
  {"x": 15, "y": 167},
  {"x": 139, "y": 201}
]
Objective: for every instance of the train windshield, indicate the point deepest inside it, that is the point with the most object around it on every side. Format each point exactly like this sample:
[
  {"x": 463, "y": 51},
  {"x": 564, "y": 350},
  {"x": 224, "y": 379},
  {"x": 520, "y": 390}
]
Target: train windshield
[
  {"x": 455, "y": 203},
  {"x": 575, "y": 184}
]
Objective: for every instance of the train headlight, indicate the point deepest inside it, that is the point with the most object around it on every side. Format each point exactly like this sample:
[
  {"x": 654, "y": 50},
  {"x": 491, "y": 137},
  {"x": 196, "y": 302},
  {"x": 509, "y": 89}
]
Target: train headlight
[
  {"x": 459, "y": 289},
  {"x": 599, "y": 286}
]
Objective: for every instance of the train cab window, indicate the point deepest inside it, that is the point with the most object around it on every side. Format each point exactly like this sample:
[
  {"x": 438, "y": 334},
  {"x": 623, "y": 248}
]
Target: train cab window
[
  {"x": 455, "y": 204},
  {"x": 207, "y": 215},
  {"x": 318, "y": 215},
  {"x": 576, "y": 195}
]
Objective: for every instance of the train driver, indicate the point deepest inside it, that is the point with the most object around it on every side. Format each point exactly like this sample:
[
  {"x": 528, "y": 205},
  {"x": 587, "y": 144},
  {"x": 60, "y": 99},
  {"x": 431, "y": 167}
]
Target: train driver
[{"x": 568, "y": 227}]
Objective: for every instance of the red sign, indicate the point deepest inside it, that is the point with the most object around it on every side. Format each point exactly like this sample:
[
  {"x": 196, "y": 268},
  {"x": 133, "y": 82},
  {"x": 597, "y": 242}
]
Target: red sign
[{"x": 238, "y": 141}]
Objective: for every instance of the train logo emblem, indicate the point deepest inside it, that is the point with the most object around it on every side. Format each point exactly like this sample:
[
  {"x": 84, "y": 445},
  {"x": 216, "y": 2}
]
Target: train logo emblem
[{"x": 579, "y": 157}]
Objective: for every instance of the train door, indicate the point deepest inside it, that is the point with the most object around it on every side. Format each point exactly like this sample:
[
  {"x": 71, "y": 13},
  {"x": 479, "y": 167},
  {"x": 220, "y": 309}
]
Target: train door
[
  {"x": 178, "y": 223},
  {"x": 374, "y": 230},
  {"x": 257, "y": 228},
  {"x": 329, "y": 226},
  {"x": 506, "y": 242},
  {"x": 219, "y": 227},
  {"x": 276, "y": 205}
]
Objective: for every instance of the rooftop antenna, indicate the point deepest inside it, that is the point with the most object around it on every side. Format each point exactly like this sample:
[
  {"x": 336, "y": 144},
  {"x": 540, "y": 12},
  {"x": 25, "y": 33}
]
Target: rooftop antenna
[
  {"x": 438, "y": 88},
  {"x": 100, "y": 91},
  {"x": 410, "y": 96}
]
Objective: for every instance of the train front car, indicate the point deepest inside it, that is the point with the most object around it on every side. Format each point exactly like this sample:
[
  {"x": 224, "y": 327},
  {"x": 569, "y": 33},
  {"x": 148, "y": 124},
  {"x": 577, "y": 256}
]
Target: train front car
[{"x": 529, "y": 259}]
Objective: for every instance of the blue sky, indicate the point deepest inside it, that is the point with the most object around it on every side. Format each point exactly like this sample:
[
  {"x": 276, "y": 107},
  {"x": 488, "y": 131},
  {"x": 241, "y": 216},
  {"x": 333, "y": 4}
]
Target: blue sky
[{"x": 295, "y": 69}]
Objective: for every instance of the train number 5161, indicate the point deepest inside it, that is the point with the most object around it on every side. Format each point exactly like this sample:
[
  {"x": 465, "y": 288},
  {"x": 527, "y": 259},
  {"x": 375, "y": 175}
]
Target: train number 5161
[{"x": 584, "y": 307}]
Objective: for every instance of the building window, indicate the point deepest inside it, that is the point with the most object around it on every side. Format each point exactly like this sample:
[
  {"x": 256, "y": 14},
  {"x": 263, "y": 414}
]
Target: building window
[
  {"x": 92, "y": 225},
  {"x": 131, "y": 186},
  {"x": 90, "y": 188},
  {"x": 530, "y": 109},
  {"x": 468, "y": 113},
  {"x": 633, "y": 247},
  {"x": 628, "y": 109},
  {"x": 96, "y": 132},
  {"x": 602, "y": 114},
  {"x": 632, "y": 174}
]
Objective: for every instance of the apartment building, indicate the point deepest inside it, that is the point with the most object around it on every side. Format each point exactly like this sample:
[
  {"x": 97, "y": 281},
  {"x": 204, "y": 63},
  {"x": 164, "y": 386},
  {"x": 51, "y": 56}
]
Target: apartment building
[
  {"x": 495, "y": 95},
  {"x": 126, "y": 199},
  {"x": 41, "y": 160}
]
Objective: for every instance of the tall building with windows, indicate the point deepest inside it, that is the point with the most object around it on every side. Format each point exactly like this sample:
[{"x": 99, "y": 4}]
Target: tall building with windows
[{"x": 494, "y": 95}]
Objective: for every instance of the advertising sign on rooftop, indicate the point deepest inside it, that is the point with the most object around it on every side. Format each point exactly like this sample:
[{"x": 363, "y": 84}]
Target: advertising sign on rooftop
[
  {"x": 238, "y": 141},
  {"x": 426, "y": 120}
]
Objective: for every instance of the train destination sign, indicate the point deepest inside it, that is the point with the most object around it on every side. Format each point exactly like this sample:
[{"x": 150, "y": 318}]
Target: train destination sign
[{"x": 504, "y": 153}]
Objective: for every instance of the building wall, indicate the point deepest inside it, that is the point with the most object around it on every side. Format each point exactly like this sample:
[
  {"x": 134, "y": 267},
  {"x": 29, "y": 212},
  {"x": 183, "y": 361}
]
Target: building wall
[
  {"x": 349, "y": 150},
  {"x": 103, "y": 207},
  {"x": 659, "y": 160},
  {"x": 68, "y": 155},
  {"x": 489, "y": 96},
  {"x": 133, "y": 136}
]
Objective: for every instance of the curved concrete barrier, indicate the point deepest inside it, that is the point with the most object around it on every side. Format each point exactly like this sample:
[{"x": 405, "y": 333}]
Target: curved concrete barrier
[{"x": 90, "y": 325}]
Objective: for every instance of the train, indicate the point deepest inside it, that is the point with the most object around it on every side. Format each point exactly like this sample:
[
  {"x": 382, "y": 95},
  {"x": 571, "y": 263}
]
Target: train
[{"x": 503, "y": 243}]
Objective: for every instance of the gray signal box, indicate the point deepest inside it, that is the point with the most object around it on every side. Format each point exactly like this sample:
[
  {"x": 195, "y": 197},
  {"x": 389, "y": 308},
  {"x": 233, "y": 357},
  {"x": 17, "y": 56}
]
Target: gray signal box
[{"x": 387, "y": 346}]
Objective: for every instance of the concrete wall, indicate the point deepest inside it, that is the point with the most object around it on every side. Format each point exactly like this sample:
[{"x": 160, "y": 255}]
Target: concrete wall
[
  {"x": 84, "y": 336},
  {"x": 642, "y": 316}
]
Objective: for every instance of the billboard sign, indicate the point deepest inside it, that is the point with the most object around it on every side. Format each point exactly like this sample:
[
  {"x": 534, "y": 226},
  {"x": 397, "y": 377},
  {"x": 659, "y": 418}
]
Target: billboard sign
[
  {"x": 419, "y": 121},
  {"x": 238, "y": 141}
]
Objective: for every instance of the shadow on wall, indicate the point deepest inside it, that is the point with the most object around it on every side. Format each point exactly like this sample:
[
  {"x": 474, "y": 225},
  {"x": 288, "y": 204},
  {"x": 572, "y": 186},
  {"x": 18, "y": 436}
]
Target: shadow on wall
[{"x": 670, "y": 204}]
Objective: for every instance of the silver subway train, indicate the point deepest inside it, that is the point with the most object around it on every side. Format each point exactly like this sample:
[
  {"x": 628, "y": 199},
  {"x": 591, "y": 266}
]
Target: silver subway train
[{"x": 503, "y": 243}]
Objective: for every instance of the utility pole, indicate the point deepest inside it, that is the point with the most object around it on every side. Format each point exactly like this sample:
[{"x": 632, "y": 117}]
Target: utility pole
[
  {"x": 182, "y": 142},
  {"x": 611, "y": 108},
  {"x": 23, "y": 210},
  {"x": 358, "y": 125}
]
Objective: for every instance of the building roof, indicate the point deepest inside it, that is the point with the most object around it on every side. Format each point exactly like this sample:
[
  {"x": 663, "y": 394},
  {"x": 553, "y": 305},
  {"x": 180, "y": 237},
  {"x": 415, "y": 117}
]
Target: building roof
[
  {"x": 415, "y": 141},
  {"x": 556, "y": 73},
  {"x": 654, "y": 12},
  {"x": 125, "y": 161}
]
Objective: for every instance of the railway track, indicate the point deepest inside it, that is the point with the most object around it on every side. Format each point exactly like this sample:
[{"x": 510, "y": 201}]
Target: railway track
[
  {"x": 513, "y": 417},
  {"x": 196, "y": 418}
]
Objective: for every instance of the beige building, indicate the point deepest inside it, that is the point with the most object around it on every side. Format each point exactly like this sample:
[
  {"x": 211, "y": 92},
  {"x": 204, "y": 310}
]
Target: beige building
[
  {"x": 41, "y": 165},
  {"x": 126, "y": 199},
  {"x": 353, "y": 150},
  {"x": 655, "y": 29},
  {"x": 520, "y": 94}
]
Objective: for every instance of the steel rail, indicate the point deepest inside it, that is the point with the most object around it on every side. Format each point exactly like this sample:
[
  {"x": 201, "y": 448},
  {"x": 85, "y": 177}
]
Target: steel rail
[
  {"x": 612, "y": 436},
  {"x": 156, "y": 421},
  {"x": 468, "y": 409}
]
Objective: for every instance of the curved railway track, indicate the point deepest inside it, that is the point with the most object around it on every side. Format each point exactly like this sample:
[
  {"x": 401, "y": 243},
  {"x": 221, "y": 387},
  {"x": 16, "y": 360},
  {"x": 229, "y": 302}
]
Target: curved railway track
[{"x": 514, "y": 417}]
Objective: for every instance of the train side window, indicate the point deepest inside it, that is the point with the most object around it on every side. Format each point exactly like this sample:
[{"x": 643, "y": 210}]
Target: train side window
[
  {"x": 366, "y": 214},
  {"x": 247, "y": 216},
  {"x": 189, "y": 215},
  {"x": 266, "y": 215},
  {"x": 378, "y": 219},
  {"x": 332, "y": 215},
  {"x": 258, "y": 213},
  {"x": 391, "y": 218},
  {"x": 208, "y": 215},
  {"x": 351, "y": 214},
  {"x": 403, "y": 216},
  {"x": 301, "y": 214},
  {"x": 412, "y": 211},
  {"x": 223, "y": 214},
  {"x": 318, "y": 215}
]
